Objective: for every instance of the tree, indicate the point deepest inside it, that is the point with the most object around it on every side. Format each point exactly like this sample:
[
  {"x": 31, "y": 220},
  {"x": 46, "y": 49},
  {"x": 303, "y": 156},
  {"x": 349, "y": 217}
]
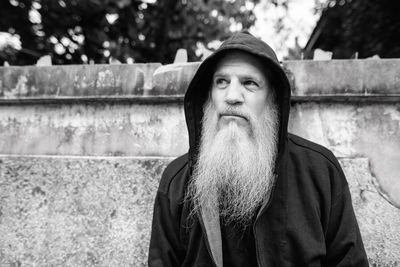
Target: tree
[
  {"x": 82, "y": 31},
  {"x": 367, "y": 28},
  {"x": 14, "y": 19}
]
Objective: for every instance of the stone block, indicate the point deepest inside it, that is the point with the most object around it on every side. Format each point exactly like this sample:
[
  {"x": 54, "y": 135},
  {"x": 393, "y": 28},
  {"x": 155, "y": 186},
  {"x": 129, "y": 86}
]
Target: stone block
[
  {"x": 57, "y": 211},
  {"x": 378, "y": 219},
  {"x": 354, "y": 130},
  {"x": 93, "y": 129},
  {"x": 174, "y": 79},
  {"x": 76, "y": 81},
  {"x": 348, "y": 77}
]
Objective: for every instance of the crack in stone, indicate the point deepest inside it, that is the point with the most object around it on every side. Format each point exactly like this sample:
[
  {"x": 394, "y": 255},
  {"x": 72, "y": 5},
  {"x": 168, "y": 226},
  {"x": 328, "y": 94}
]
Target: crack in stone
[{"x": 378, "y": 187}]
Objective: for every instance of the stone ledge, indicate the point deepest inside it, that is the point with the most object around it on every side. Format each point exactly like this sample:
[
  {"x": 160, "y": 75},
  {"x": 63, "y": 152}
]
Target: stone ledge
[
  {"x": 157, "y": 99},
  {"x": 311, "y": 80},
  {"x": 163, "y": 99},
  {"x": 345, "y": 98},
  {"x": 345, "y": 77},
  {"x": 77, "y": 81}
]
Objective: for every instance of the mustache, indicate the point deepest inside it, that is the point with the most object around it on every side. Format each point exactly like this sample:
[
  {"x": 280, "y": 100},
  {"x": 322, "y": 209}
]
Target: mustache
[{"x": 234, "y": 112}]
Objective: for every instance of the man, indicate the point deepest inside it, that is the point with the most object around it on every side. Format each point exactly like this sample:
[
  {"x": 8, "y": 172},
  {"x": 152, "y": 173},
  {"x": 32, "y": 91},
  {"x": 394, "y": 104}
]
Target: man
[{"x": 248, "y": 193}]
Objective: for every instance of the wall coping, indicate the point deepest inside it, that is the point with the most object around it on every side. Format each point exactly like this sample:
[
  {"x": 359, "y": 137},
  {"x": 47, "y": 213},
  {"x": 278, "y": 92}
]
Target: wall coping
[{"x": 333, "y": 80}]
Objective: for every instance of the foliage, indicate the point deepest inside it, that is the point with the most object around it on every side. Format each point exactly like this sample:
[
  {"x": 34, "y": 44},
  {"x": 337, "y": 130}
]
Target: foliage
[
  {"x": 358, "y": 26},
  {"x": 15, "y": 19},
  {"x": 82, "y": 31}
]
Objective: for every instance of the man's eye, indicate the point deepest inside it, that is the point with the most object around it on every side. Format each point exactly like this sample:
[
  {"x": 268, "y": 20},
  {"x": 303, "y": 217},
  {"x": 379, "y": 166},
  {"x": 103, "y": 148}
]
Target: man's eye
[
  {"x": 221, "y": 82},
  {"x": 250, "y": 84}
]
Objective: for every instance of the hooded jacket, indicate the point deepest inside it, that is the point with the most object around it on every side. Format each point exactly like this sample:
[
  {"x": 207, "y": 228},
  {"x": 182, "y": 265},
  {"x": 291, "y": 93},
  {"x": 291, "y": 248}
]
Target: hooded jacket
[{"x": 308, "y": 219}]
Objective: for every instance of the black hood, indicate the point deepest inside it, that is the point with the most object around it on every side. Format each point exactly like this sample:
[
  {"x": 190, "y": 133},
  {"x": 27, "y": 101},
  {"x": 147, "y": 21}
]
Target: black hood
[{"x": 198, "y": 90}]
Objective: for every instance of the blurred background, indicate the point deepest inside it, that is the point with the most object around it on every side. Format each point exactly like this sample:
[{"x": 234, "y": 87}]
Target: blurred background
[{"x": 128, "y": 31}]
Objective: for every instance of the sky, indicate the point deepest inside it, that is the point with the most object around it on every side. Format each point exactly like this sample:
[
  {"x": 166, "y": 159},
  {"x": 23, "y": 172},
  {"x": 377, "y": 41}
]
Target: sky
[{"x": 299, "y": 21}]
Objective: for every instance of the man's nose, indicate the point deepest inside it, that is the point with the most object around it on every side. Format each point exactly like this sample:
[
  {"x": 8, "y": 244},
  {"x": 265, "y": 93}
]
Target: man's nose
[{"x": 234, "y": 94}]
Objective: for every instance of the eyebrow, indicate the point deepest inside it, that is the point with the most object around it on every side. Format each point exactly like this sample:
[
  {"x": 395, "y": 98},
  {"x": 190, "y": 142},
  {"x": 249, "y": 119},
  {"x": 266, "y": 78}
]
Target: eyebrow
[{"x": 241, "y": 76}]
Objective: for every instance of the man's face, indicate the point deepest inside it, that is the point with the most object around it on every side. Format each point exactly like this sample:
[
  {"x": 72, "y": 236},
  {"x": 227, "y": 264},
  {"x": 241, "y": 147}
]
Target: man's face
[{"x": 240, "y": 90}]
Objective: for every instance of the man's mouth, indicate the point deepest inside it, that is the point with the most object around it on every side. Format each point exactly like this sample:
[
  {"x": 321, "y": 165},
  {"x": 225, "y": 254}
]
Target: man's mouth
[{"x": 233, "y": 116}]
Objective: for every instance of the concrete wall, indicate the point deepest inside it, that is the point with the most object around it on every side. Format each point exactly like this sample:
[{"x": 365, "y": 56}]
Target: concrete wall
[{"x": 82, "y": 149}]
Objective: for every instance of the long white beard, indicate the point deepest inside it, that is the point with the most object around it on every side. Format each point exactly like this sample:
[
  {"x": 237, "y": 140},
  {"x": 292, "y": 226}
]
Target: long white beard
[{"x": 233, "y": 175}]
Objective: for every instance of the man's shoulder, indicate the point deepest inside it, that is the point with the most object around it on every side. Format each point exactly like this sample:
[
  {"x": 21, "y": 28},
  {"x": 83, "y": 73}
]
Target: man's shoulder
[
  {"x": 318, "y": 163},
  {"x": 173, "y": 173},
  {"x": 313, "y": 150}
]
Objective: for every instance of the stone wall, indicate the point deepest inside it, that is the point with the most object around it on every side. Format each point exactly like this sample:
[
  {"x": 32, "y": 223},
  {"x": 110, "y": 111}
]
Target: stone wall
[{"x": 82, "y": 149}]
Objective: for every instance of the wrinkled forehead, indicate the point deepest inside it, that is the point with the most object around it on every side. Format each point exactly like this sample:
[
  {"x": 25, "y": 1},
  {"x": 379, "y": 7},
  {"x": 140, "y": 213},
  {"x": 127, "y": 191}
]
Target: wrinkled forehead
[{"x": 242, "y": 63}]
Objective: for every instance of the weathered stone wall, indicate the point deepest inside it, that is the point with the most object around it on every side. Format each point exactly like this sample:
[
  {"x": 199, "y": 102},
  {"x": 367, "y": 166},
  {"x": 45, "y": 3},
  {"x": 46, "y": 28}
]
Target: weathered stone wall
[{"x": 82, "y": 149}]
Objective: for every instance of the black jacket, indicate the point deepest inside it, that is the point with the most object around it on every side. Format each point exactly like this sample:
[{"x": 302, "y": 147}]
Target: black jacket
[{"x": 309, "y": 218}]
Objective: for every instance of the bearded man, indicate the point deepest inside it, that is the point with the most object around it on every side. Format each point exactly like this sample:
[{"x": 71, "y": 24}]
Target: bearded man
[{"x": 248, "y": 193}]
